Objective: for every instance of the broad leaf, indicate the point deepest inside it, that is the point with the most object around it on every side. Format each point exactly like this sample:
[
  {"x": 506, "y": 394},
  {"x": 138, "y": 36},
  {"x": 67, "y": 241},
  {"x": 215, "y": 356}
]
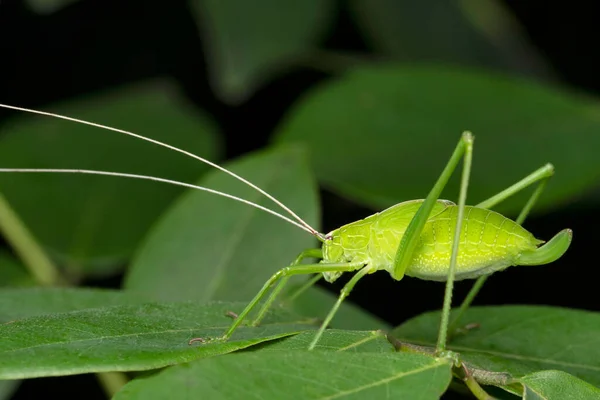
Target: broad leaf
[
  {"x": 475, "y": 32},
  {"x": 125, "y": 338},
  {"x": 210, "y": 248},
  {"x": 383, "y": 135},
  {"x": 520, "y": 339},
  {"x": 557, "y": 385},
  {"x": 12, "y": 272},
  {"x": 98, "y": 221},
  {"x": 24, "y": 303},
  {"x": 298, "y": 374},
  {"x": 316, "y": 302},
  {"x": 247, "y": 42},
  {"x": 335, "y": 340}
]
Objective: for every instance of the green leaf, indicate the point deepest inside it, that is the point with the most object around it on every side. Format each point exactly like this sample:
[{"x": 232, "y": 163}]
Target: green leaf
[
  {"x": 96, "y": 222},
  {"x": 125, "y": 338},
  {"x": 12, "y": 272},
  {"x": 335, "y": 340},
  {"x": 298, "y": 375},
  {"x": 247, "y": 42},
  {"x": 520, "y": 339},
  {"x": 24, "y": 303},
  {"x": 316, "y": 302},
  {"x": 210, "y": 248},
  {"x": 383, "y": 135},
  {"x": 474, "y": 32},
  {"x": 557, "y": 385}
]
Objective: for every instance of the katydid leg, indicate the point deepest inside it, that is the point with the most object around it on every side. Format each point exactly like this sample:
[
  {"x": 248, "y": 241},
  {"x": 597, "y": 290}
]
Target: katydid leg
[
  {"x": 284, "y": 272},
  {"x": 310, "y": 253},
  {"x": 410, "y": 239},
  {"x": 440, "y": 348},
  {"x": 343, "y": 294},
  {"x": 541, "y": 176}
]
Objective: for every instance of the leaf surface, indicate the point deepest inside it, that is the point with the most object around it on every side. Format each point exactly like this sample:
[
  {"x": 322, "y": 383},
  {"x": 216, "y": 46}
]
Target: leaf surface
[
  {"x": 335, "y": 340},
  {"x": 30, "y": 302},
  {"x": 468, "y": 33},
  {"x": 247, "y": 42},
  {"x": 383, "y": 135},
  {"x": 316, "y": 302},
  {"x": 557, "y": 385},
  {"x": 297, "y": 374},
  {"x": 520, "y": 340},
  {"x": 126, "y": 338},
  {"x": 210, "y": 248}
]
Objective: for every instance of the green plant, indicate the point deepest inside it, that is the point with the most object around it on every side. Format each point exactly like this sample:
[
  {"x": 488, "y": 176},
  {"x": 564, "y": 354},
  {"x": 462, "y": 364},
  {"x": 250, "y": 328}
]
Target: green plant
[{"x": 187, "y": 269}]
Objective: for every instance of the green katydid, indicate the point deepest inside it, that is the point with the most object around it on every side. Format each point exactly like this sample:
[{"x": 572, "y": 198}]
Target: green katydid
[{"x": 429, "y": 239}]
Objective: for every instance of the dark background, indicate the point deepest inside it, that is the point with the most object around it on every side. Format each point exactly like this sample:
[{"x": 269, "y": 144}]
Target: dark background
[{"x": 97, "y": 44}]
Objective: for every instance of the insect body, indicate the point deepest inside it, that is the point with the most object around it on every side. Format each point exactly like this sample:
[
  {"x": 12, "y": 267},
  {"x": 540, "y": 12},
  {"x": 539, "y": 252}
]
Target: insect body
[
  {"x": 489, "y": 242},
  {"x": 428, "y": 239}
]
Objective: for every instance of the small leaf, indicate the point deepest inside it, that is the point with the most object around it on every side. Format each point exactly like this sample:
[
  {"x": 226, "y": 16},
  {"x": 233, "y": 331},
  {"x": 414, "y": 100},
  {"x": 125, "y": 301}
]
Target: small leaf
[
  {"x": 247, "y": 42},
  {"x": 90, "y": 221},
  {"x": 298, "y": 375},
  {"x": 383, "y": 135},
  {"x": 125, "y": 338},
  {"x": 12, "y": 272},
  {"x": 520, "y": 339},
  {"x": 210, "y": 248},
  {"x": 557, "y": 385}
]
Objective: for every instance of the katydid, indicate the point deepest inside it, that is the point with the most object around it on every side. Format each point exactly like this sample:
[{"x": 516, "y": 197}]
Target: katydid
[{"x": 430, "y": 239}]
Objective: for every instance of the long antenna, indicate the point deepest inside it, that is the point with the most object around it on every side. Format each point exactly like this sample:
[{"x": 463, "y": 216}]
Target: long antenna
[
  {"x": 156, "y": 179},
  {"x": 305, "y": 224}
]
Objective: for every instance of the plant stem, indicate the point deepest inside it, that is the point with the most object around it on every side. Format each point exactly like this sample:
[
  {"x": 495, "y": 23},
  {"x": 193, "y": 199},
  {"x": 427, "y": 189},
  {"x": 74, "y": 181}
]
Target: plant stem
[
  {"x": 476, "y": 389},
  {"x": 112, "y": 382},
  {"x": 44, "y": 272},
  {"x": 25, "y": 245}
]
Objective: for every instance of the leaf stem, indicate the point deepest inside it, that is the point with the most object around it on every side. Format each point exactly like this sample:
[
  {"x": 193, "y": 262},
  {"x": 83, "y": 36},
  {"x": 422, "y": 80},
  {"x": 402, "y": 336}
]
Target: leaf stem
[
  {"x": 476, "y": 389},
  {"x": 474, "y": 386},
  {"x": 112, "y": 382},
  {"x": 25, "y": 245}
]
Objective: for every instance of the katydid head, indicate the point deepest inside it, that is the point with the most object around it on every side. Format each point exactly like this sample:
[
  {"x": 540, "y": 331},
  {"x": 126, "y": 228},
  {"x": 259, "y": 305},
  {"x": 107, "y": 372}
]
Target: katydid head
[{"x": 333, "y": 252}]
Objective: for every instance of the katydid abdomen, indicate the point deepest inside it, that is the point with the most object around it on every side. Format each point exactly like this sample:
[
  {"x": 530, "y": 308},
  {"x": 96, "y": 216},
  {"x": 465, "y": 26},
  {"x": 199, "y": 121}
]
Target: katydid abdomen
[{"x": 489, "y": 241}]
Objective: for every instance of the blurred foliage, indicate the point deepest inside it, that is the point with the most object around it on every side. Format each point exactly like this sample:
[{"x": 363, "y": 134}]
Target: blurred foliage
[
  {"x": 400, "y": 123},
  {"x": 94, "y": 223},
  {"x": 377, "y": 131}
]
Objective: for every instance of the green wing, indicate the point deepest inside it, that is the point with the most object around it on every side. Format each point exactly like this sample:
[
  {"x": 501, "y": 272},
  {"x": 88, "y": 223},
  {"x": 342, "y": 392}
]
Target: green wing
[{"x": 398, "y": 217}]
